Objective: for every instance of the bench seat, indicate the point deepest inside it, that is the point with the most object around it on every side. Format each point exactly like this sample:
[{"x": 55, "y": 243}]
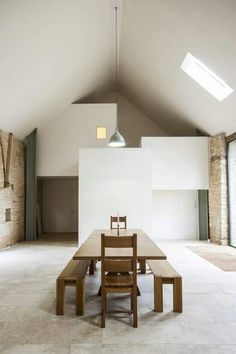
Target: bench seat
[{"x": 72, "y": 275}]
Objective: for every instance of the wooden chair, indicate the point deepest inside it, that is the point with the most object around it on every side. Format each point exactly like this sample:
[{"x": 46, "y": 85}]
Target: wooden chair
[
  {"x": 119, "y": 275},
  {"x": 164, "y": 273},
  {"x": 123, "y": 219},
  {"x": 72, "y": 275},
  {"x": 114, "y": 220}
]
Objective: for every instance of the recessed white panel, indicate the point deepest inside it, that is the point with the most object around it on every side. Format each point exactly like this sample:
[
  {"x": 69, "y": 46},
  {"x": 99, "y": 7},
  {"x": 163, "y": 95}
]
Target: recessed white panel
[{"x": 175, "y": 215}]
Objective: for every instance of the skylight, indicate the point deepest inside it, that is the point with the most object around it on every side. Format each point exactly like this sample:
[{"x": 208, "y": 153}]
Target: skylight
[{"x": 205, "y": 77}]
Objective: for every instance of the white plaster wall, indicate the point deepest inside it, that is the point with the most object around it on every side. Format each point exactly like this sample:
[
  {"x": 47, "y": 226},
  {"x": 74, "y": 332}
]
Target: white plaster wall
[
  {"x": 60, "y": 139},
  {"x": 112, "y": 181},
  {"x": 175, "y": 215},
  {"x": 179, "y": 163},
  {"x": 133, "y": 123}
]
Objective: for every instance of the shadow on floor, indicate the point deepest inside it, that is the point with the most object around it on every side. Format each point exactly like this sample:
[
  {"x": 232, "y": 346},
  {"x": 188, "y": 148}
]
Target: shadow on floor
[{"x": 63, "y": 239}]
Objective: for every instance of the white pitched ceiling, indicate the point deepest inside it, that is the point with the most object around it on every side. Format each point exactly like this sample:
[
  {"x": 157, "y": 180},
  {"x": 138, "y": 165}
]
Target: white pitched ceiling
[
  {"x": 54, "y": 52},
  {"x": 157, "y": 34}
]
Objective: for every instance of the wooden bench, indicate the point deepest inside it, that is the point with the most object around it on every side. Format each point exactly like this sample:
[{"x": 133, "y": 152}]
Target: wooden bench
[
  {"x": 72, "y": 275},
  {"x": 164, "y": 273}
]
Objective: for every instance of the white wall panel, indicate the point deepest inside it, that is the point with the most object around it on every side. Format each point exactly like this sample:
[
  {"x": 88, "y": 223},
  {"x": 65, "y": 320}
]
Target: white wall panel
[
  {"x": 179, "y": 162},
  {"x": 111, "y": 181},
  {"x": 175, "y": 215}
]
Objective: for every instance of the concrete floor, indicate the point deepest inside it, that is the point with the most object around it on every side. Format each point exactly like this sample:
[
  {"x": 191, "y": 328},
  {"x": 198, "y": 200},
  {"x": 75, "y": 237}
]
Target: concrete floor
[{"x": 28, "y": 324}]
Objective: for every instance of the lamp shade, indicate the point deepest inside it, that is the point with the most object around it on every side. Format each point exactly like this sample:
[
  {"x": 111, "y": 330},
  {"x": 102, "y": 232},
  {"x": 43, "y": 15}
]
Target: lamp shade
[{"x": 116, "y": 140}]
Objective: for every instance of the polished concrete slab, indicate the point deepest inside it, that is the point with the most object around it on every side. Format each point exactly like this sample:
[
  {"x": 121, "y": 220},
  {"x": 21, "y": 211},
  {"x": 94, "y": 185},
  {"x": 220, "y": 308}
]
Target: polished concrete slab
[{"x": 28, "y": 323}]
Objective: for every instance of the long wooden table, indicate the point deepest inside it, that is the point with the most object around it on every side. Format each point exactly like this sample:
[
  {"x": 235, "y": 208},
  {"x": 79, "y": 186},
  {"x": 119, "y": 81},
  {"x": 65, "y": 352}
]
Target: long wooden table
[{"x": 146, "y": 248}]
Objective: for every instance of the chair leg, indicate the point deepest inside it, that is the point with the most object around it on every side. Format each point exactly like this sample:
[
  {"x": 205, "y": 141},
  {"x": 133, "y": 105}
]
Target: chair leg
[
  {"x": 103, "y": 308},
  {"x": 80, "y": 297},
  {"x": 158, "y": 294},
  {"x": 60, "y": 297},
  {"x": 142, "y": 263},
  {"x": 105, "y": 301},
  {"x": 135, "y": 309},
  {"x": 177, "y": 295}
]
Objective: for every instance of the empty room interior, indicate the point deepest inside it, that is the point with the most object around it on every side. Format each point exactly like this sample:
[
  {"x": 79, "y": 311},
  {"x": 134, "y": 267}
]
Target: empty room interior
[{"x": 117, "y": 176}]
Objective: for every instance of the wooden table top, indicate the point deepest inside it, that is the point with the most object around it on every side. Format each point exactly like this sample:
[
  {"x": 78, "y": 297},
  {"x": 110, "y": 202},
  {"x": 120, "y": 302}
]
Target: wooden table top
[{"x": 146, "y": 248}]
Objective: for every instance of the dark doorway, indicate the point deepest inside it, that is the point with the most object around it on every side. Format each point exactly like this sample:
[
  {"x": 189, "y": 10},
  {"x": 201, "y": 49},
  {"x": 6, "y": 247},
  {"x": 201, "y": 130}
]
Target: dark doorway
[
  {"x": 203, "y": 207},
  {"x": 57, "y": 204}
]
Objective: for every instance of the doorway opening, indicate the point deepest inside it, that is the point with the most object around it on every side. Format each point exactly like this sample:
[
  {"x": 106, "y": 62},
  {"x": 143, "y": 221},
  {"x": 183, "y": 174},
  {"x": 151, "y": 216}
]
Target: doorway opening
[{"x": 57, "y": 208}]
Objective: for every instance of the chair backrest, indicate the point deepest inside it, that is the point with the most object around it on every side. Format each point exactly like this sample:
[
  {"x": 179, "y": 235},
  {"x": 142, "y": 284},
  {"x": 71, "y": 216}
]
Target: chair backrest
[
  {"x": 115, "y": 263},
  {"x": 114, "y": 222}
]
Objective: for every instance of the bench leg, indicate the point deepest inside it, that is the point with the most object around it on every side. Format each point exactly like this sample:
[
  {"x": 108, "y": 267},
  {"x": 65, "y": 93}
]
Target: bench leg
[
  {"x": 177, "y": 294},
  {"x": 142, "y": 263},
  {"x": 158, "y": 295},
  {"x": 60, "y": 297},
  {"x": 80, "y": 297},
  {"x": 92, "y": 267}
]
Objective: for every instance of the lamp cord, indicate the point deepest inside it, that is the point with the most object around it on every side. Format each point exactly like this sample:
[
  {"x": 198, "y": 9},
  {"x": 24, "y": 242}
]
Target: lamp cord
[{"x": 116, "y": 73}]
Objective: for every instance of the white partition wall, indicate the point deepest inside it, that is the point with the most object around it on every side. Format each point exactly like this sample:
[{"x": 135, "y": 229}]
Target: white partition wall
[
  {"x": 179, "y": 163},
  {"x": 111, "y": 181},
  {"x": 175, "y": 215},
  {"x": 180, "y": 167}
]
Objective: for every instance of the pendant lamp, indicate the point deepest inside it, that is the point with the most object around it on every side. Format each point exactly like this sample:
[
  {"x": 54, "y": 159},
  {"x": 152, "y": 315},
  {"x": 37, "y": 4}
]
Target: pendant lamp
[{"x": 116, "y": 140}]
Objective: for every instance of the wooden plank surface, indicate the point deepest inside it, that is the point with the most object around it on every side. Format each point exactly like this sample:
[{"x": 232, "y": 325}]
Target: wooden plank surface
[
  {"x": 91, "y": 248},
  {"x": 74, "y": 270},
  {"x": 163, "y": 269}
]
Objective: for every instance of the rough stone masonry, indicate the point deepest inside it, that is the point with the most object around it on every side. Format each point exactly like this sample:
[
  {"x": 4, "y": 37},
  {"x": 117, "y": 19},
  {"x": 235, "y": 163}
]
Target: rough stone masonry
[
  {"x": 12, "y": 197},
  {"x": 218, "y": 192}
]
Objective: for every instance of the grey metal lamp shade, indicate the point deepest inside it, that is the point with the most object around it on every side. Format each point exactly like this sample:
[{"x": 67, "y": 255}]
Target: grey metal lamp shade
[{"x": 116, "y": 140}]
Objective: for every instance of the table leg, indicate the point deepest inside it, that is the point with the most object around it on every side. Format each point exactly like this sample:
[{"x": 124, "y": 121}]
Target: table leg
[
  {"x": 92, "y": 267},
  {"x": 142, "y": 263}
]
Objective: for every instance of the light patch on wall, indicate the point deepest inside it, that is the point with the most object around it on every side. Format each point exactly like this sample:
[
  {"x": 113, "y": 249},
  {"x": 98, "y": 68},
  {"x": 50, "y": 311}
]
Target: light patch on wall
[
  {"x": 101, "y": 132},
  {"x": 205, "y": 77}
]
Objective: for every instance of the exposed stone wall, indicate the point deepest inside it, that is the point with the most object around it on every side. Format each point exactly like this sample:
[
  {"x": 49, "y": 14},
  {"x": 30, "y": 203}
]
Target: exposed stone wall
[
  {"x": 218, "y": 193},
  {"x": 12, "y": 197}
]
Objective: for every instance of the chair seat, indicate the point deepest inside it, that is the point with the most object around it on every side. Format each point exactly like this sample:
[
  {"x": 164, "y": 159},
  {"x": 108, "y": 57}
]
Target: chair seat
[{"x": 118, "y": 280}]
